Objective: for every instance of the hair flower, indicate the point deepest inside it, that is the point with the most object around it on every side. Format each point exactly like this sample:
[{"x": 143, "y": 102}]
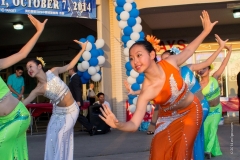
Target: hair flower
[
  {"x": 41, "y": 60},
  {"x": 154, "y": 41},
  {"x": 175, "y": 50}
]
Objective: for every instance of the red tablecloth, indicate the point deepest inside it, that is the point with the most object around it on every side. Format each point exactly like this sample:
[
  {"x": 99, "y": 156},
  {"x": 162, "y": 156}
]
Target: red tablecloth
[
  {"x": 231, "y": 105},
  {"x": 38, "y": 108}
]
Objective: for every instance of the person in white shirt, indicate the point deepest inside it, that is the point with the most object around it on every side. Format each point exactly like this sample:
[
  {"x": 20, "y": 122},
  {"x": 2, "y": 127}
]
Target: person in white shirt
[{"x": 101, "y": 100}]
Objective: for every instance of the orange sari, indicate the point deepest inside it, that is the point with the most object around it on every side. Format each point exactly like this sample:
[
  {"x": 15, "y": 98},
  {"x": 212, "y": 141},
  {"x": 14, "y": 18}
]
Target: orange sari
[{"x": 176, "y": 130}]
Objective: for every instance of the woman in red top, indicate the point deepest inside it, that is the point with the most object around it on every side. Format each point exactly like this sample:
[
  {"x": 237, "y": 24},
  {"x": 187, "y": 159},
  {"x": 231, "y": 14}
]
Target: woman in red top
[{"x": 180, "y": 114}]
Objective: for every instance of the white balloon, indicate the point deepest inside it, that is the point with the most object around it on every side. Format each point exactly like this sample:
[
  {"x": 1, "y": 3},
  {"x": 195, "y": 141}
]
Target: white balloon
[
  {"x": 92, "y": 70},
  {"x": 126, "y": 51},
  {"x": 132, "y": 108},
  {"x": 97, "y": 68},
  {"x": 135, "y": 100},
  {"x": 137, "y": 28},
  {"x": 134, "y": 74},
  {"x": 96, "y": 77},
  {"x": 99, "y": 43},
  {"x": 101, "y": 60},
  {"x": 149, "y": 108},
  {"x": 124, "y": 15},
  {"x": 139, "y": 20},
  {"x": 122, "y": 24},
  {"x": 140, "y": 86},
  {"x": 86, "y": 55},
  {"x": 131, "y": 80},
  {"x": 79, "y": 67},
  {"x": 129, "y": 1},
  {"x": 127, "y": 7},
  {"x": 85, "y": 65},
  {"x": 115, "y": 4},
  {"x": 89, "y": 46},
  {"x": 135, "y": 36},
  {"x": 130, "y": 43},
  {"x": 127, "y": 59}
]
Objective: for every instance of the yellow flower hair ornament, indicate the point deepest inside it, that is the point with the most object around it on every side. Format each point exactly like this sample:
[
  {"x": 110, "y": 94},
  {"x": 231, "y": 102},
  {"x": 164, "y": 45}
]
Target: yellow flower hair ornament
[
  {"x": 41, "y": 60},
  {"x": 154, "y": 41},
  {"x": 211, "y": 67}
]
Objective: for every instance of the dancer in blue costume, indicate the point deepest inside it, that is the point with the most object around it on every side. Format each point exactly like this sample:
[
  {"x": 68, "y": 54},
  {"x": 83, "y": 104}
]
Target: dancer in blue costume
[{"x": 194, "y": 87}]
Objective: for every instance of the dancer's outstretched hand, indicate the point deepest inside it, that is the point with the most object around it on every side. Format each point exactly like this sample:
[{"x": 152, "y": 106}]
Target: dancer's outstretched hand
[
  {"x": 220, "y": 41},
  {"x": 128, "y": 88},
  {"x": 83, "y": 45},
  {"x": 206, "y": 22},
  {"x": 108, "y": 117},
  {"x": 38, "y": 25},
  {"x": 229, "y": 48}
]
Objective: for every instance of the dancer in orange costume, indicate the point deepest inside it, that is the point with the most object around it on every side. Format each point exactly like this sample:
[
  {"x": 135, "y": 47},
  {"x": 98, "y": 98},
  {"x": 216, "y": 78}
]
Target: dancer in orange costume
[{"x": 180, "y": 114}]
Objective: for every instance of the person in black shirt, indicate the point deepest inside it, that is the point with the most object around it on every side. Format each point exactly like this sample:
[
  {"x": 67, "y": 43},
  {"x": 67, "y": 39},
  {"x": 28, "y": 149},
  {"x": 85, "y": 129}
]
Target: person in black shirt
[{"x": 75, "y": 86}]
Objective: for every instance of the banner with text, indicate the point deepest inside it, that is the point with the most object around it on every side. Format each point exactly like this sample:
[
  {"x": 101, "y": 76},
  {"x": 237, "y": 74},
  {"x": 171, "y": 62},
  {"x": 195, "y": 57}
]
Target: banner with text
[{"x": 61, "y": 8}]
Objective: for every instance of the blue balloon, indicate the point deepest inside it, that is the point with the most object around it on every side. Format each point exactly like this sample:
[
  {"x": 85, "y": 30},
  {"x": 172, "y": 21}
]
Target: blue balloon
[
  {"x": 118, "y": 18},
  {"x": 135, "y": 86},
  {"x": 86, "y": 75},
  {"x": 128, "y": 66},
  {"x": 91, "y": 38},
  {"x": 120, "y": 2},
  {"x": 93, "y": 61},
  {"x": 83, "y": 40},
  {"x": 134, "y": 13},
  {"x": 125, "y": 45},
  {"x": 128, "y": 73},
  {"x": 81, "y": 59},
  {"x": 125, "y": 39},
  {"x": 130, "y": 101},
  {"x": 141, "y": 74},
  {"x": 101, "y": 52},
  {"x": 140, "y": 79},
  {"x": 134, "y": 5},
  {"x": 118, "y": 9},
  {"x": 93, "y": 46},
  {"x": 84, "y": 81},
  {"x": 127, "y": 31},
  {"x": 80, "y": 73},
  {"x": 131, "y": 21},
  {"x": 94, "y": 53},
  {"x": 140, "y": 39},
  {"x": 130, "y": 96},
  {"x": 99, "y": 72},
  {"x": 142, "y": 35}
]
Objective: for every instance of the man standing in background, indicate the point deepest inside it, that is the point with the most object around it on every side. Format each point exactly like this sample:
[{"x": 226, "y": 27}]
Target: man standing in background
[
  {"x": 75, "y": 86},
  {"x": 16, "y": 83},
  {"x": 91, "y": 94}
]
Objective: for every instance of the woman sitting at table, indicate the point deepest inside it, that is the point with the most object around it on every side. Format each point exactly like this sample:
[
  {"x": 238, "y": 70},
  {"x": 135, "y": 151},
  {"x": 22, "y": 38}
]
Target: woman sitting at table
[
  {"x": 59, "y": 139},
  {"x": 14, "y": 117}
]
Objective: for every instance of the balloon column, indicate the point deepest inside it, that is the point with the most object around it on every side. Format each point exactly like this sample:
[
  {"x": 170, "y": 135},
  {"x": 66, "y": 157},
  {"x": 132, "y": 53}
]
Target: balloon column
[
  {"x": 130, "y": 23},
  {"x": 91, "y": 60}
]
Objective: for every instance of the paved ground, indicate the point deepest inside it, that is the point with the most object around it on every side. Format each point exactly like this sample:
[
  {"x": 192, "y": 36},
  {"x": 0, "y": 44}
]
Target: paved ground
[{"x": 118, "y": 145}]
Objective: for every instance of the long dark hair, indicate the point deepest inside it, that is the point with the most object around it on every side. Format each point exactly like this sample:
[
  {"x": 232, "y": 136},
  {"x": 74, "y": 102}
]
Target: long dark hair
[
  {"x": 169, "y": 52},
  {"x": 147, "y": 45}
]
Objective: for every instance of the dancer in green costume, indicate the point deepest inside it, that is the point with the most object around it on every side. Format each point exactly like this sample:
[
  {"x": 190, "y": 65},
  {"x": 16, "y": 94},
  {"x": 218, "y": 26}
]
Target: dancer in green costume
[
  {"x": 211, "y": 91},
  {"x": 14, "y": 116}
]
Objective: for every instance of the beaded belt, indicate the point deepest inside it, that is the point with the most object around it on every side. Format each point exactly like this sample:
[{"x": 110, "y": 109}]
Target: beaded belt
[{"x": 5, "y": 96}]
